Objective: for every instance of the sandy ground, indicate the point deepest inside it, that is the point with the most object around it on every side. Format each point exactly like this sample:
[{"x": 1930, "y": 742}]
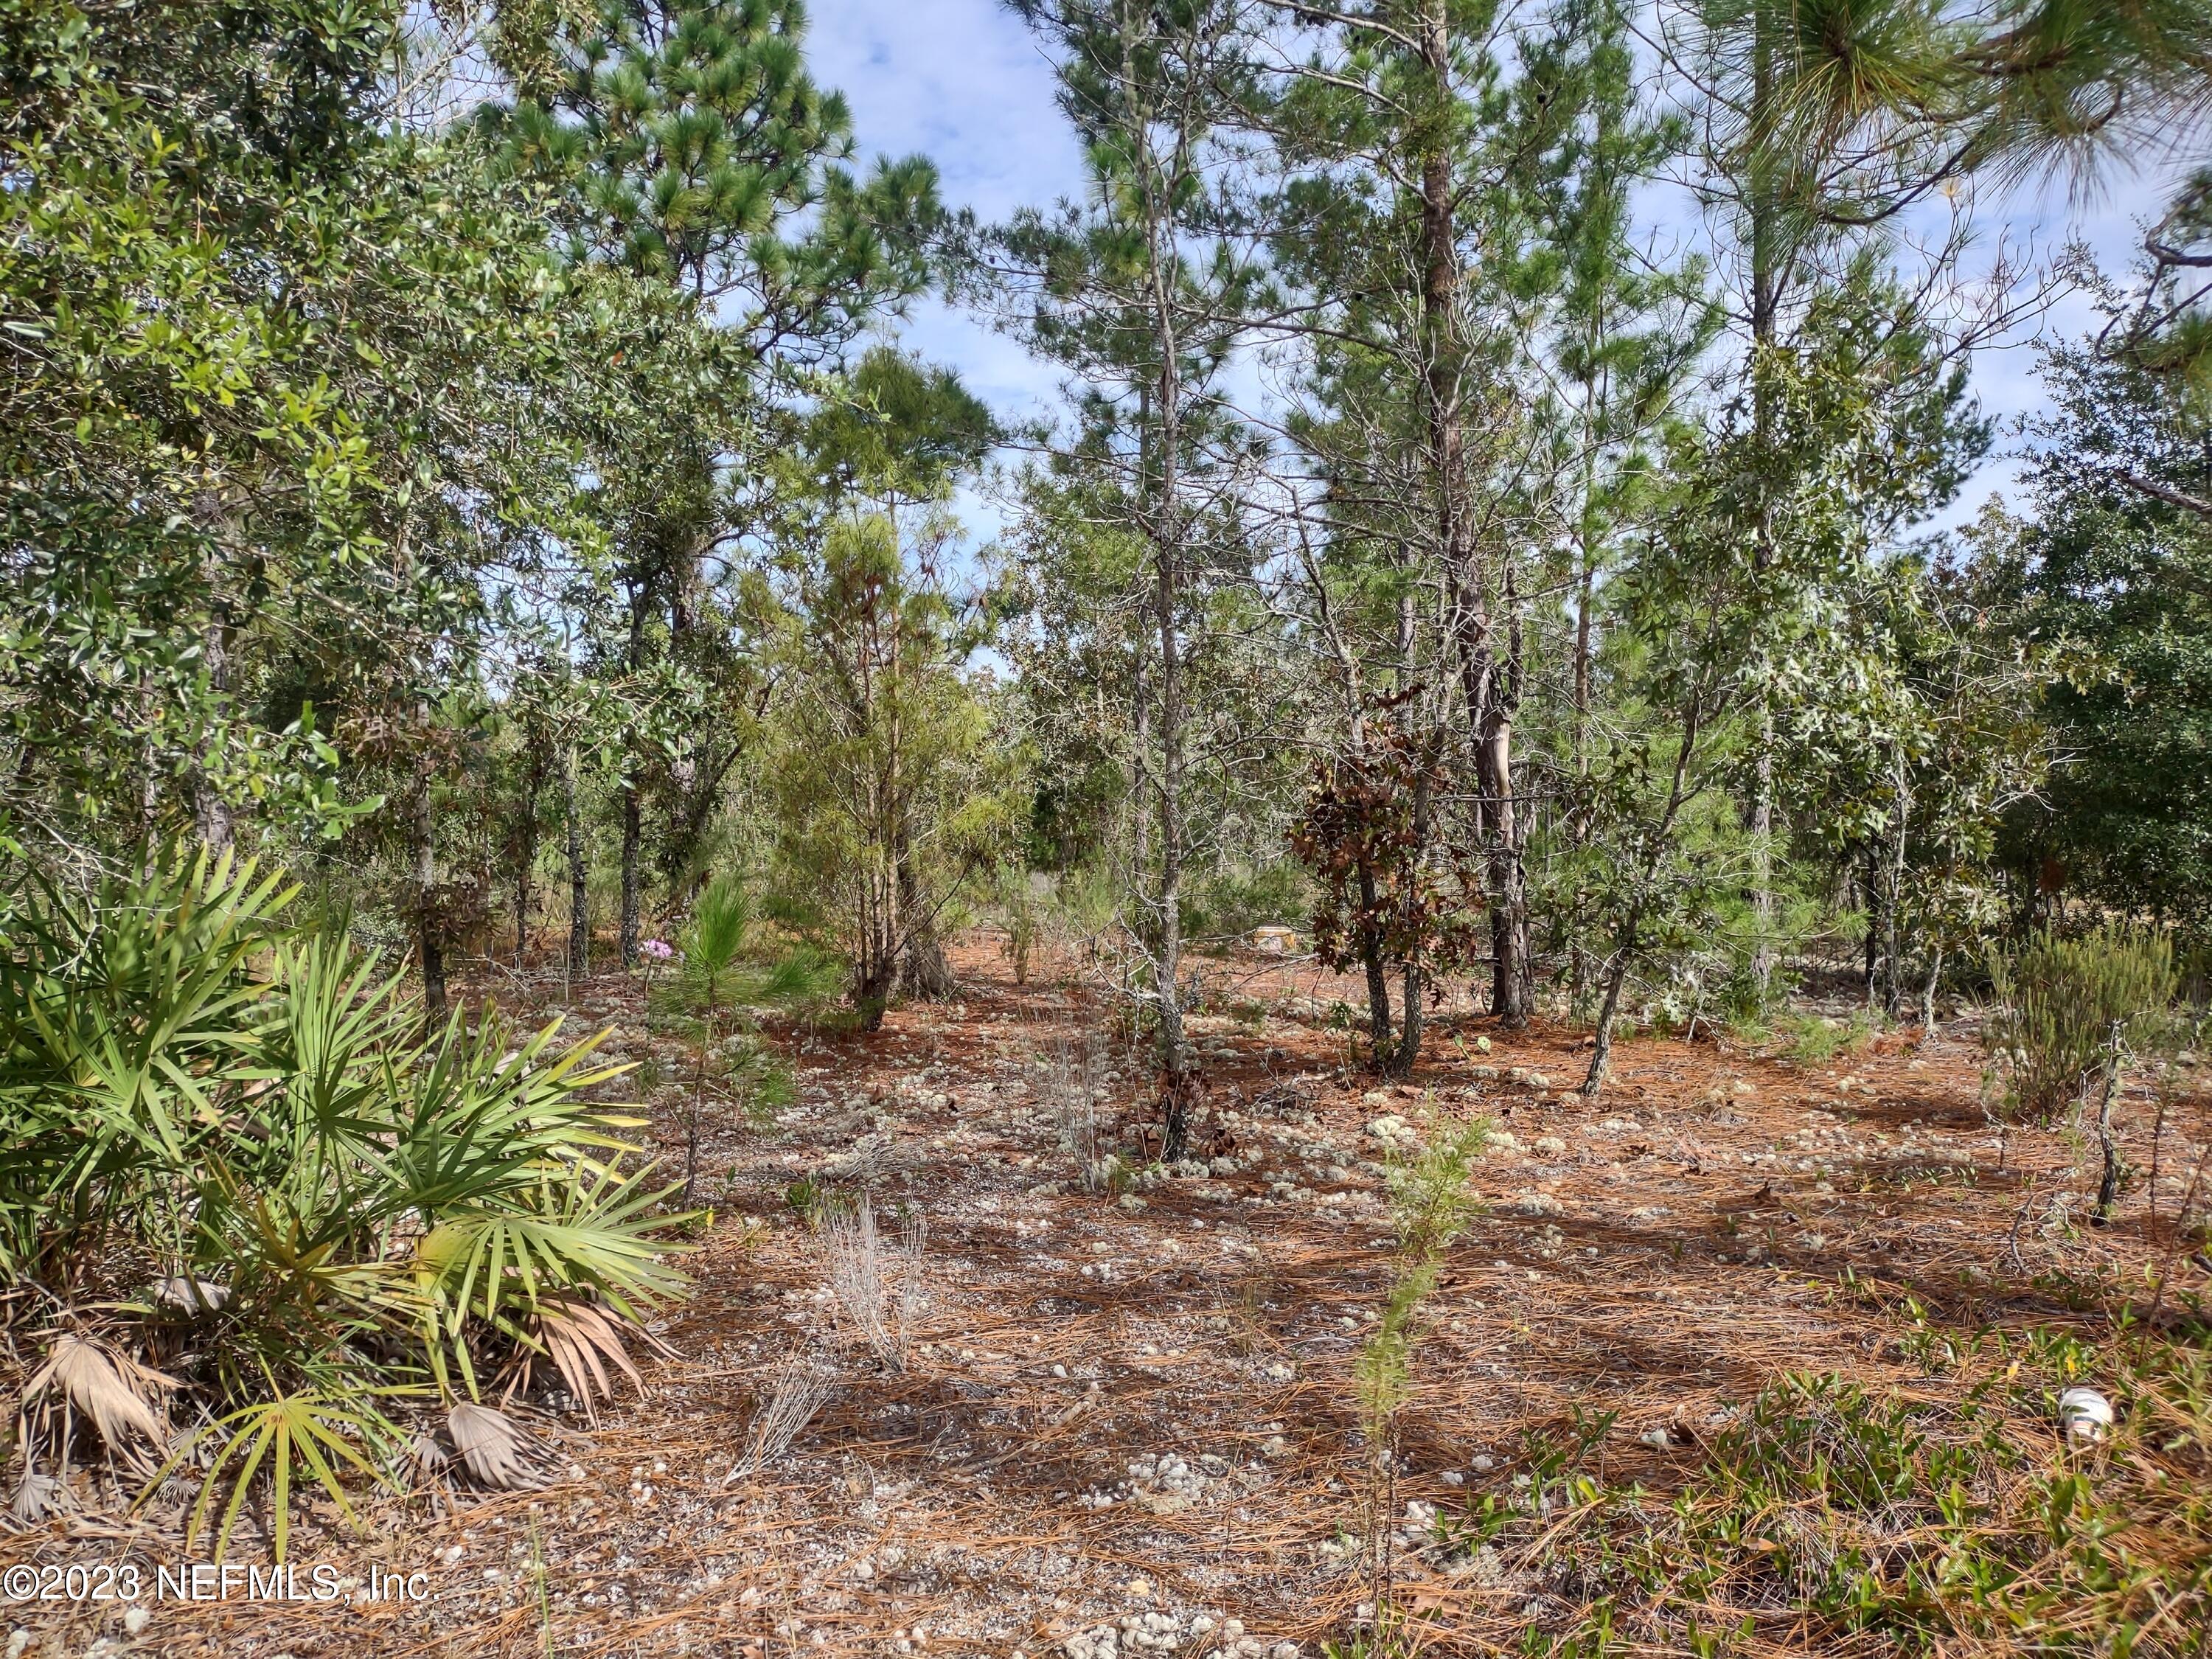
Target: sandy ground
[{"x": 1126, "y": 1421}]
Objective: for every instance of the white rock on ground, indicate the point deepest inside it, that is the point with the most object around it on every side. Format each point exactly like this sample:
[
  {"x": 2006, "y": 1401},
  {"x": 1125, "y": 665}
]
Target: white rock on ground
[{"x": 1171, "y": 1632}]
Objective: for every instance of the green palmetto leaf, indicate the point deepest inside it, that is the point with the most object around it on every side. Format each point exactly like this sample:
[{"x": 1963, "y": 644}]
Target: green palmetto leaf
[
  {"x": 337, "y": 1027},
  {"x": 125, "y": 1021},
  {"x": 306, "y": 1276},
  {"x": 306, "y": 1428},
  {"x": 592, "y": 1232},
  {"x": 377, "y": 1210},
  {"x": 477, "y": 1119}
]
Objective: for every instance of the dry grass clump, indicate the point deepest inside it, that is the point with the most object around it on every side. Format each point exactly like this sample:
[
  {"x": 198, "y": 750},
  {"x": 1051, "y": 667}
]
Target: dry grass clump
[
  {"x": 879, "y": 1285},
  {"x": 799, "y": 1388},
  {"x": 1074, "y": 1082}
]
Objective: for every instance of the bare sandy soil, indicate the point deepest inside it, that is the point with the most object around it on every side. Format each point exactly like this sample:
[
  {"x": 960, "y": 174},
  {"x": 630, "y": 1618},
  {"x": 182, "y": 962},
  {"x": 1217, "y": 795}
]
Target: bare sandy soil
[{"x": 1126, "y": 1422}]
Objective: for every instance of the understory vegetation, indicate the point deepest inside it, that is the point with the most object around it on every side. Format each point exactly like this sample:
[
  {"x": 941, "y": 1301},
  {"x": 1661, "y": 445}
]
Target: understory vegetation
[
  {"x": 1919, "y": 1524},
  {"x": 258, "y": 1215}
]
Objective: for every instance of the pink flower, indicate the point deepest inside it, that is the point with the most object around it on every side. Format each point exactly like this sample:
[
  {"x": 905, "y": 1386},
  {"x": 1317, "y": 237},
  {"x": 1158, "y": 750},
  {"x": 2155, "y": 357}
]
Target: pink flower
[{"x": 658, "y": 949}]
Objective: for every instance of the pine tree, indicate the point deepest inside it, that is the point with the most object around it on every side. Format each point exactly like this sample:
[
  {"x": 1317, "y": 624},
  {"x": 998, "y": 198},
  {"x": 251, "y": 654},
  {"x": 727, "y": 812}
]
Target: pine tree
[
  {"x": 696, "y": 150},
  {"x": 1143, "y": 293}
]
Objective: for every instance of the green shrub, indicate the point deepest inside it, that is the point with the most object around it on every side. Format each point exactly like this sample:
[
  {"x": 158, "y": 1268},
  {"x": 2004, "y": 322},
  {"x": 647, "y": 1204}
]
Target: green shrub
[
  {"x": 814, "y": 1201},
  {"x": 2062, "y": 1001},
  {"x": 1023, "y": 915},
  {"x": 1083, "y": 903},
  {"x": 230, "y": 1145},
  {"x": 1814, "y": 1040},
  {"x": 1231, "y": 904},
  {"x": 2193, "y": 969},
  {"x": 1745, "y": 1002}
]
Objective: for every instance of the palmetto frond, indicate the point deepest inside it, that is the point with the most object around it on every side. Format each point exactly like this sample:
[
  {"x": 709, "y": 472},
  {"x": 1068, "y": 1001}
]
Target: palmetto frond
[
  {"x": 588, "y": 1345},
  {"x": 85, "y": 1378},
  {"x": 347, "y": 1214},
  {"x": 494, "y": 1449},
  {"x": 127, "y": 1027},
  {"x": 475, "y": 1118},
  {"x": 327, "y": 1432},
  {"x": 498, "y": 1266}
]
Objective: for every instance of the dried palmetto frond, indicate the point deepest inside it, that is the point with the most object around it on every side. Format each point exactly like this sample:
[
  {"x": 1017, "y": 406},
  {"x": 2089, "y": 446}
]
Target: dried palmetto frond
[
  {"x": 495, "y": 1449},
  {"x": 85, "y": 1377},
  {"x": 183, "y": 1293},
  {"x": 37, "y": 1496},
  {"x": 427, "y": 1455},
  {"x": 588, "y": 1344}
]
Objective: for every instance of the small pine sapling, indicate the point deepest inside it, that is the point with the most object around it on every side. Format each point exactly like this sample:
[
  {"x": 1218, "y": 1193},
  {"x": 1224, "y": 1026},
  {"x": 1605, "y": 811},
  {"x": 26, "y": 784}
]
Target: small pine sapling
[
  {"x": 1430, "y": 1207},
  {"x": 726, "y": 970}
]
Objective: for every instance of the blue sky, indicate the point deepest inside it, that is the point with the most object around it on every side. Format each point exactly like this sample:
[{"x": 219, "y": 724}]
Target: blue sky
[{"x": 962, "y": 81}]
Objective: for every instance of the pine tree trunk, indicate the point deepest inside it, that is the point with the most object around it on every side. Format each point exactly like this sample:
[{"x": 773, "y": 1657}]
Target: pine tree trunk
[
  {"x": 2108, "y": 1184},
  {"x": 1140, "y": 871},
  {"x": 1585, "y": 597},
  {"x": 924, "y": 974},
  {"x": 1764, "y": 210},
  {"x": 1893, "y": 983},
  {"x": 209, "y": 809},
  {"x": 523, "y": 886},
  {"x": 1408, "y": 1051},
  {"x": 1872, "y": 884},
  {"x": 1489, "y": 695},
  {"x": 1167, "y": 533},
  {"x": 1512, "y": 989},
  {"x": 1893, "y": 975},
  {"x": 632, "y": 835},
  {"x": 1380, "y": 1042},
  {"x": 1762, "y": 853},
  {"x": 579, "y": 910},
  {"x": 1173, "y": 1053},
  {"x": 429, "y": 949},
  {"x": 876, "y": 981},
  {"x": 1632, "y": 928}
]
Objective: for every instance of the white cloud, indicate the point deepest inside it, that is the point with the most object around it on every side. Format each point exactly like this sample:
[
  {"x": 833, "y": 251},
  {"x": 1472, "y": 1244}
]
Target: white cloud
[{"x": 962, "y": 81}]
